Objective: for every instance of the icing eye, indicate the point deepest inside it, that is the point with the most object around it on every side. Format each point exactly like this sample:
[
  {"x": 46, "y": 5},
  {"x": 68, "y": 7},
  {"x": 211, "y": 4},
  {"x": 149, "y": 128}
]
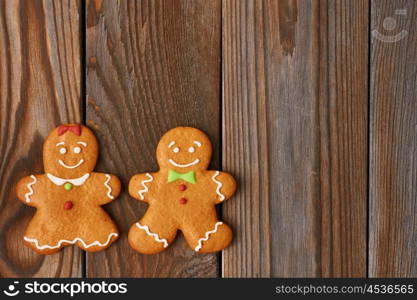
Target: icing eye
[
  {"x": 176, "y": 150},
  {"x": 191, "y": 149},
  {"x": 62, "y": 150},
  {"x": 77, "y": 150}
]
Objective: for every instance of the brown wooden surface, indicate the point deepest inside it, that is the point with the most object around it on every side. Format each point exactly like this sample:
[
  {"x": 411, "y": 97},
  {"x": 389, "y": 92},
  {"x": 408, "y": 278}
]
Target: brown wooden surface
[
  {"x": 39, "y": 89},
  {"x": 283, "y": 90},
  {"x": 295, "y": 134},
  {"x": 393, "y": 146},
  {"x": 151, "y": 65}
]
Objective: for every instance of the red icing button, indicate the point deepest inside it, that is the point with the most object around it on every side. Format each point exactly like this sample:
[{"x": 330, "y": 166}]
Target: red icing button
[
  {"x": 183, "y": 201},
  {"x": 68, "y": 205},
  {"x": 182, "y": 187}
]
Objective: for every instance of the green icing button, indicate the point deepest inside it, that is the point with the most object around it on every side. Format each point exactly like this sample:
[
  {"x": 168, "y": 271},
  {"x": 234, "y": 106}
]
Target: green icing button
[{"x": 68, "y": 186}]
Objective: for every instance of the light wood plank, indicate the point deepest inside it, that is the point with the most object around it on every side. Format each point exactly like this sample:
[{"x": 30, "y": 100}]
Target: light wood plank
[
  {"x": 393, "y": 177},
  {"x": 295, "y": 134}
]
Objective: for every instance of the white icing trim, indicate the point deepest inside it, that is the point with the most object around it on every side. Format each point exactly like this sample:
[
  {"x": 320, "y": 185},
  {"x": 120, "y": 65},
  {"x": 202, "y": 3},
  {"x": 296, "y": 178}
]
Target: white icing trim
[
  {"x": 197, "y": 143},
  {"x": 106, "y": 184},
  {"x": 145, "y": 187},
  {"x": 183, "y": 165},
  {"x": 171, "y": 144},
  {"x": 77, "y": 239},
  {"x": 154, "y": 235},
  {"x": 60, "y": 143},
  {"x": 29, "y": 186},
  {"x": 60, "y": 181},
  {"x": 200, "y": 241},
  {"x": 219, "y": 186},
  {"x": 82, "y": 143},
  {"x": 70, "y": 167}
]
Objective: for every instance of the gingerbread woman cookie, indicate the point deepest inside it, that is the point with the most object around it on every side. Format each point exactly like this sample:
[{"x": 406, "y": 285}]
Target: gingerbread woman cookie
[
  {"x": 68, "y": 196},
  {"x": 181, "y": 196}
]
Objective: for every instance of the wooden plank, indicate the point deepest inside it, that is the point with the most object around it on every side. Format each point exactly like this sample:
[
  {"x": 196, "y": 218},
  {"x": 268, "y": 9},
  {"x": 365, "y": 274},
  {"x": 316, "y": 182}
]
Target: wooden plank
[
  {"x": 39, "y": 89},
  {"x": 393, "y": 164},
  {"x": 295, "y": 134},
  {"x": 152, "y": 65}
]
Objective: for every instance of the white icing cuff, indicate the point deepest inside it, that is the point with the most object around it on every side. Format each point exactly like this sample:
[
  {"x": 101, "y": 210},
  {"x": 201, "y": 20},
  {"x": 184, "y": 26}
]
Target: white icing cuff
[
  {"x": 145, "y": 187},
  {"x": 29, "y": 186},
  {"x": 219, "y": 186},
  {"x": 109, "y": 189},
  {"x": 154, "y": 235},
  {"x": 207, "y": 235}
]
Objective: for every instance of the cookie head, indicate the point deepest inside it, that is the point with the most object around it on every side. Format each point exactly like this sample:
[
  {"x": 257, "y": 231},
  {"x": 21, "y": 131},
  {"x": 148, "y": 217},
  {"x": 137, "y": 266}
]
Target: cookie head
[
  {"x": 184, "y": 149},
  {"x": 70, "y": 151}
]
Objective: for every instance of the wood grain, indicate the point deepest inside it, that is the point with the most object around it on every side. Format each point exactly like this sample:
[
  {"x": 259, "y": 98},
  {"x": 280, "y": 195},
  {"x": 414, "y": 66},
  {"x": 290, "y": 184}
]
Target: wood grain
[
  {"x": 393, "y": 179},
  {"x": 295, "y": 134},
  {"x": 151, "y": 65},
  {"x": 39, "y": 89}
]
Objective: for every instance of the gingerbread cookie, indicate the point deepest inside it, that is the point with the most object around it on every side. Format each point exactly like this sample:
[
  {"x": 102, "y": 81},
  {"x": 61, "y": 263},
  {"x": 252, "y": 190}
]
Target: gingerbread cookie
[
  {"x": 68, "y": 196},
  {"x": 182, "y": 196}
]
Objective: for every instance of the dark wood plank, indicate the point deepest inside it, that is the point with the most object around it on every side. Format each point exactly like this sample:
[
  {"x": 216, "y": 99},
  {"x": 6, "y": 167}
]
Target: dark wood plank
[
  {"x": 393, "y": 177},
  {"x": 295, "y": 134},
  {"x": 39, "y": 89},
  {"x": 152, "y": 65}
]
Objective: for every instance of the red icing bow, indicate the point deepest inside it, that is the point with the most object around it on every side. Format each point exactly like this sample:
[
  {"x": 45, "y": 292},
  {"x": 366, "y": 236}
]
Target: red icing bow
[{"x": 75, "y": 129}]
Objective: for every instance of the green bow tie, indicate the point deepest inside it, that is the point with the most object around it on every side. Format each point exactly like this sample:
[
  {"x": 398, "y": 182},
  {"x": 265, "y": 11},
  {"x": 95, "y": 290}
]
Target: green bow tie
[{"x": 189, "y": 177}]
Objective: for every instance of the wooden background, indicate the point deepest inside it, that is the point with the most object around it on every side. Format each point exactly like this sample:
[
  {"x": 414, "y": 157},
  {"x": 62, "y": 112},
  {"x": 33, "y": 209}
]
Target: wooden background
[{"x": 309, "y": 103}]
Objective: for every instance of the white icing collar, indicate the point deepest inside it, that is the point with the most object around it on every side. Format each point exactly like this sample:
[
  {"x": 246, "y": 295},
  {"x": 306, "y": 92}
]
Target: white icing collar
[{"x": 61, "y": 181}]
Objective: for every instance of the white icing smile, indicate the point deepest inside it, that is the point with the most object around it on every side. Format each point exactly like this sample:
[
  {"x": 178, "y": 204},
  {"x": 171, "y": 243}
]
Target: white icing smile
[
  {"x": 70, "y": 167},
  {"x": 183, "y": 165}
]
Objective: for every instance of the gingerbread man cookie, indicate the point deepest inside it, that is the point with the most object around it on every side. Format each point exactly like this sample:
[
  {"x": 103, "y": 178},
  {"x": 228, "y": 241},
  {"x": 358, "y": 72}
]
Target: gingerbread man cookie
[
  {"x": 68, "y": 196},
  {"x": 182, "y": 196}
]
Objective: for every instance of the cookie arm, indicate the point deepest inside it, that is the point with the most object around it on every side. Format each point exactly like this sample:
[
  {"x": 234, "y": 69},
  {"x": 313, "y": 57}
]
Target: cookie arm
[
  {"x": 26, "y": 188},
  {"x": 111, "y": 188},
  {"x": 139, "y": 186},
  {"x": 225, "y": 186}
]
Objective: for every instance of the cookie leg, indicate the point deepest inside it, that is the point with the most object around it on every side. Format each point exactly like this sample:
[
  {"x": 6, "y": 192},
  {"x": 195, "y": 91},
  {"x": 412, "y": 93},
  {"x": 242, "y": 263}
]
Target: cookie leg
[
  {"x": 43, "y": 236},
  {"x": 209, "y": 237},
  {"x": 151, "y": 235},
  {"x": 98, "y": 237}
]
